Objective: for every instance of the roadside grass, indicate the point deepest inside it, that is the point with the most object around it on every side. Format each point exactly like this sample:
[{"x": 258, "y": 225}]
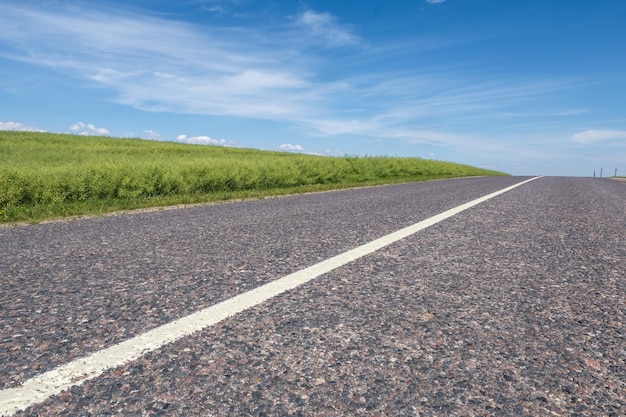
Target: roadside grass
[{"x": 46, "y": 176}]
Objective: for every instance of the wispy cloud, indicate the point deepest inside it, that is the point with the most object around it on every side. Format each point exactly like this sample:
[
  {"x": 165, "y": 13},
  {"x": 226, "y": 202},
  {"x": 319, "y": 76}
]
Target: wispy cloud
[
  {"x": 85, "y": 129},
  {"x": 162, "y": 65},
  {"x": 326, "y": 29},
  {"x": 216, "y": 7},
  {"x": 594, "y": 136},
  {"x": 435, "y": 1},
  {"x": 152, "y": 135},
  {"x": 18, "y": 127}
]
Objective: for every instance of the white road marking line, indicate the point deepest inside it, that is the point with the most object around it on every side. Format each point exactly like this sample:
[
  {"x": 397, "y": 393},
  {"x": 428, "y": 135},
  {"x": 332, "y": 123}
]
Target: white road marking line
[{"x": 41, "y": 387}]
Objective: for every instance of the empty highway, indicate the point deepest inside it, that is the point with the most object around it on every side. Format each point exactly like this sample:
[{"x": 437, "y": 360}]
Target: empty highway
[{"x": 399, "y": 300}]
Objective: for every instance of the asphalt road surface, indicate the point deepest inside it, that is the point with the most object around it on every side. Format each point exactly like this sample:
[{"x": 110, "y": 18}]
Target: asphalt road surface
[{"x": 516, "y": 306}]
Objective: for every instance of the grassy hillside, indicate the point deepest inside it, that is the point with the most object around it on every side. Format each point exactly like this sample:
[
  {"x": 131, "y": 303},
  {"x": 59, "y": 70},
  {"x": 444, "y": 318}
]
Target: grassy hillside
[{"x": 44, "y": 175}]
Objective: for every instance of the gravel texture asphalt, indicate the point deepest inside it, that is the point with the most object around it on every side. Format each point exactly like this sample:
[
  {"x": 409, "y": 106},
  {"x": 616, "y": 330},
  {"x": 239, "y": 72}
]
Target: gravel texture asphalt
[{"x": 514, "y": 307}]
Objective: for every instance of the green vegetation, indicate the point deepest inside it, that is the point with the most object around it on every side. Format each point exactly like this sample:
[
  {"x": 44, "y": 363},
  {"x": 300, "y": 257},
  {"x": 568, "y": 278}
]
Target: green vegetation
[{"x": 45, "y": 176}]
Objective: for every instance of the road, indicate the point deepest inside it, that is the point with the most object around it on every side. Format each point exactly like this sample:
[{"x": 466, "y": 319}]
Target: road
[{"x": 515, "y": 306}]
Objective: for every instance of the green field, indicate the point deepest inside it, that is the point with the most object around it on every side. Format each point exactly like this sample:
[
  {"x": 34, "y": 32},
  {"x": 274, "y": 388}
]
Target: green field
[{"x": 46, "y": 176}]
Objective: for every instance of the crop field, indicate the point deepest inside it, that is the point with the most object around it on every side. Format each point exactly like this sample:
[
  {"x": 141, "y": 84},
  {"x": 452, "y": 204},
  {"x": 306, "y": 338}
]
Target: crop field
[{"x": 47, "y": 176}]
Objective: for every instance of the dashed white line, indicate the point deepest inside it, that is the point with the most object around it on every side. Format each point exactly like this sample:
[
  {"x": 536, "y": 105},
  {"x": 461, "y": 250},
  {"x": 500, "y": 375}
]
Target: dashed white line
[{"x": 41, "y": 387}]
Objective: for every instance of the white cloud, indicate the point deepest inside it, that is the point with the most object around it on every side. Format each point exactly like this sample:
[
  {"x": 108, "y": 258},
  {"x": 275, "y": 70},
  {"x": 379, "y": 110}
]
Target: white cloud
[
  {"x": 592, "y": 136},
  {"x": 325, "y": 27},
  {"x": 163, "y": 75},
  {"x": 163, "y": 65},
  {"x": 216, "y": 7},
  {"x": 435, "y": 1},
  {"x": 256, "y": 71},
  {"x": 331, "y": 127},
  {"x": 291, "y": 148},
  {"x": 151, "y": 134},
  {"x": 441, "y": 138},
  {"x": 201, "y": 140},
  {"x": 84, "y": 129},
  {"x": 18, "y": 127}
]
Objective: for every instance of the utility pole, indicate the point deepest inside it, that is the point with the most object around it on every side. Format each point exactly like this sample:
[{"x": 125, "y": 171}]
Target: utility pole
[
  {"x": 615, "y": 172},
  {"x": 600, "y": 172}
]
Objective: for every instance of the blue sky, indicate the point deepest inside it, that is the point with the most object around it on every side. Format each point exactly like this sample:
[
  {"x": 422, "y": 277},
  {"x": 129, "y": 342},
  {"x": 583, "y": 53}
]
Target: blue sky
[{"x": 530, "y": 87}]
